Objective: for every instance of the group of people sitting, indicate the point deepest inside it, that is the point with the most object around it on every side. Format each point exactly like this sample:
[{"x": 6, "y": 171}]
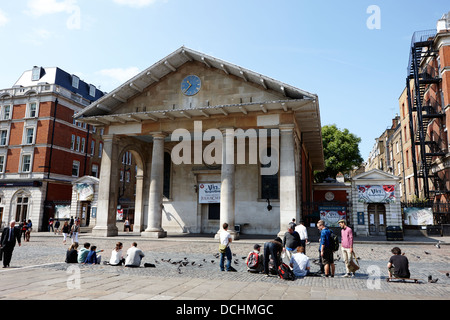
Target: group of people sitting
[
  {"x": 90, "y": 255},
  {"x": 269, "y": 261}
]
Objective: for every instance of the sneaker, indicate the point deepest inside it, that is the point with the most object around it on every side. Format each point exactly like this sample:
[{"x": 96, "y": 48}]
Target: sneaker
[{"x": 347, "y": 275}]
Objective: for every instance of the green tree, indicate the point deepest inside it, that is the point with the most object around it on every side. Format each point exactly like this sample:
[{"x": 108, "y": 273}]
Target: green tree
[{"x": 341, "y": 152}]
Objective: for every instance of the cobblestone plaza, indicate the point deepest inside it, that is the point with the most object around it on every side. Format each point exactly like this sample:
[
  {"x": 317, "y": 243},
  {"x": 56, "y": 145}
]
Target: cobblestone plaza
[{"x": 186, "y": 268}]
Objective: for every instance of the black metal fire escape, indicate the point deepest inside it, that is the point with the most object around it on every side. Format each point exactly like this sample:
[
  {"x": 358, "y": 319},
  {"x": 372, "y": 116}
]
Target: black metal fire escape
[{"x": 421, "y": 76}]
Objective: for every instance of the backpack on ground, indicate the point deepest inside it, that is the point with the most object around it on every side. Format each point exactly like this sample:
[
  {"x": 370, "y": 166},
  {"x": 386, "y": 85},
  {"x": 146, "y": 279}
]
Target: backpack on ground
[
  {"x": 253, "y": 260},
  {"x": 285, "y": 272},
  {"x": 334, "y": 242}
]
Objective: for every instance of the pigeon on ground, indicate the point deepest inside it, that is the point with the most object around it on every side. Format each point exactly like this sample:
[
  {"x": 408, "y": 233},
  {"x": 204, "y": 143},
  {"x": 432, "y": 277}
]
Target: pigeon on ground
[
  {"x": 427, "y": 252},
  {"x": 447, "y": 274},
  {"x": 438, "y": 245}
]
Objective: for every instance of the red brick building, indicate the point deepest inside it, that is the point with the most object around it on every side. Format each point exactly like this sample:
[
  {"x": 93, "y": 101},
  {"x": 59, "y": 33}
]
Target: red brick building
[{"x": 42, "y": 148}]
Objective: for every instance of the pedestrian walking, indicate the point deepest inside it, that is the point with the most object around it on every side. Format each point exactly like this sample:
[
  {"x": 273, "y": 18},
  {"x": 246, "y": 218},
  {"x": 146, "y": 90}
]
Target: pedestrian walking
[
  {"x": 224, "y": 249},
  {"x": 347, "y": 247},
  {"x": 29, "y": 229},
  {"x": 23, "y": 229},
  {"x": 303, "y": 232},
  {"x": 126, "y": 225},
  {"x": 65, "y": 231},
  {"x": 10, "y": 236},
  {"x": 75, "y": 231},
  {"x": 50, "y": 225},
  {"x": 291, "y": 241},
  {"x": 272, "y": 249},
  {"x": 325, "y": 249},
  {"x": 57, "y": 225}
]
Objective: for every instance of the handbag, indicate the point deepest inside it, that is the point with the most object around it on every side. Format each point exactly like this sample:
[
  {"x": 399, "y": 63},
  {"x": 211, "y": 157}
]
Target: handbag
[
  {"x": 222, "y": 248},
  {"x": 352, "y": 266}
]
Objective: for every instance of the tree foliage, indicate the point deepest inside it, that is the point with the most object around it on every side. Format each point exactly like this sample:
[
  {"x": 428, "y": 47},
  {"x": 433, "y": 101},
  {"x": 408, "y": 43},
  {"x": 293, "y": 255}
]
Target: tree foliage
[{"x": 341, "y": 151}]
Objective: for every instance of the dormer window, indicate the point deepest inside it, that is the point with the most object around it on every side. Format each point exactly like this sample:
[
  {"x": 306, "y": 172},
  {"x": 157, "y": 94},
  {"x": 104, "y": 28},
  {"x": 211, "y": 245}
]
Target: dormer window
[
  {"x": 92, "y": 90},
  {"x": 75, "y": 82},
  {"x": 36, "y": 73}
]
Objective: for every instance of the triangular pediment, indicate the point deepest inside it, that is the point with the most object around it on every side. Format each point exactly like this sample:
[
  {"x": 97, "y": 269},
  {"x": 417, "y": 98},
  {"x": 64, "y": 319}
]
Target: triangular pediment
[
  {"x": 87, "y": 180},
  {"x": 375, "y": 175}
]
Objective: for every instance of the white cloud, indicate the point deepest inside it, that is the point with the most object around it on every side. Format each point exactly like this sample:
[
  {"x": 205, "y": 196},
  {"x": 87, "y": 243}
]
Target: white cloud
[
  {"x": 43, "y": 7},
  {"x": 3, "y": 19},
  {"x": 135, "y": 3},
  {"x": 40, "y": 8},
  {"x": 119, "y": 75}
]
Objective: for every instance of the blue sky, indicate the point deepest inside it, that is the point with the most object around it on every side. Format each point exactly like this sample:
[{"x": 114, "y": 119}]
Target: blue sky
[{"x": 324, "y": 47}]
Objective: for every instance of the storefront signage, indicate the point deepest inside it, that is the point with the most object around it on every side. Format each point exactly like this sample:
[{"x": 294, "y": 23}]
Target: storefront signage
[
  {"x": 331, "y": 215},
  {"x": 376, "y": 194},
  {"x": 85, "y": 192},
  {"x": 209, "y": 193}
]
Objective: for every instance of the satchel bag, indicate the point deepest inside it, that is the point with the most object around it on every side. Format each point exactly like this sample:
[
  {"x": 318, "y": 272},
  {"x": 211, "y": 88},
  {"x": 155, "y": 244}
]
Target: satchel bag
[
  {"x": 222, "y": 248},
  {"x": 352, "y": 266}
]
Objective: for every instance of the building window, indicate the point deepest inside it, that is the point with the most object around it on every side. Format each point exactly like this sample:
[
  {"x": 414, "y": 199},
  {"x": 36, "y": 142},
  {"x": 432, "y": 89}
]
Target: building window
[
  {"x": 83, "y": 144},
  {"x": 21, "y": 208},
  {"x": 6, "y": 112},
  {"x": 72, "y": 143},
  {"x": 92, "y": 90},
  {"x": 167, "y": 173},
  {"x": 29, "y": 136},
  {"x": 100, "y": 149},
  {"x": 94, "y": 170},
  {"x": 75, "y": 82},
  {"x": 36, "y": 74},
  {"x": 2, "y": 165},
  {"x": 3, "y": 137},
  {"x": 75, "y": 168},
  {"x": 32, "y": 110},
  {"x": 77, "y": 147},
  {"x": 26, "y": 163},
  {"x": 92, "y": 147},
  {"x": 269, "y": 183}
]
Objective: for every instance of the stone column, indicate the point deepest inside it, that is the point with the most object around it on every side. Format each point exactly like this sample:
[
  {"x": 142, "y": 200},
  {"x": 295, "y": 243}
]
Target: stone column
[
  {"x": 139, "y": 204},
  {"x": 108, "y": 190},
  {"x": 288, "y": 193},
  {"x": 154, "y": 228},
  {"x": 227, "y": 188}
]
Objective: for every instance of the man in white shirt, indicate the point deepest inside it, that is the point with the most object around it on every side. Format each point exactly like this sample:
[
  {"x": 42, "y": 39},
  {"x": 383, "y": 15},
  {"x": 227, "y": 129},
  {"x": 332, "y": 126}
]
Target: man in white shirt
[
  {"x": 225, "y": 240},
  {"x": 300, "y": 263},
  {"x": 134, "y": 256},
  {"x": 301, "y": 229}
]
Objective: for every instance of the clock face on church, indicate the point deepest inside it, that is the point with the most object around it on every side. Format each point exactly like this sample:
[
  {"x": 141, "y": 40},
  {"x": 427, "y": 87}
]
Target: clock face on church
[{"x": 191, "y": 85}]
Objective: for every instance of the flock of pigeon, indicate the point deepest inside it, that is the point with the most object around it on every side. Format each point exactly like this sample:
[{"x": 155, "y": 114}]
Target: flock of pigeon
[{"x": 186, "y": 263}]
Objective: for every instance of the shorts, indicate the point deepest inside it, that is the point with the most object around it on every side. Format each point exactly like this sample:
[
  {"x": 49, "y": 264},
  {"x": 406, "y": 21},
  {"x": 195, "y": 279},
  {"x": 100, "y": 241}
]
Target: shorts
[{"x": 327, "y": 256}]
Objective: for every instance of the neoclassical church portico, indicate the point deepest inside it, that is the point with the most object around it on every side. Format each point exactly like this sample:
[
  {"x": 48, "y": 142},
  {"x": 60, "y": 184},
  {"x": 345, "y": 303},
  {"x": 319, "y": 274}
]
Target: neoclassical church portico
[{"x": 212, "y": 142}]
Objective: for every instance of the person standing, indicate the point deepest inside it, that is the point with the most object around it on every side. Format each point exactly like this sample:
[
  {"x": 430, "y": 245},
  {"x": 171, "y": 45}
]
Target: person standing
[
  {"x": 346, "y": 246},
  {"x": 325, "y": 249},
  {"x": 29, "y": 229},
  {"x": 10, "y": 236},
  {"x": 127, "y": 226},
  {"x": 65, "y": 231},
  {"x": 75, "y": 231},
  {"x": 291, "y": 241},
  {"x": 57, "y": 224},
  {"x": 225, "y": 240},
  {"x": 301, "y": 229},
  {"x": 50, "y": 225}
]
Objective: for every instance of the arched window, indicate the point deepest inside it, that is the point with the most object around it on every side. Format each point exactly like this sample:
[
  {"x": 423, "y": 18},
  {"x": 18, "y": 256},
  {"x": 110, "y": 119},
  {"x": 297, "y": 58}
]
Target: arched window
[{"x": 22, "y": 207}]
